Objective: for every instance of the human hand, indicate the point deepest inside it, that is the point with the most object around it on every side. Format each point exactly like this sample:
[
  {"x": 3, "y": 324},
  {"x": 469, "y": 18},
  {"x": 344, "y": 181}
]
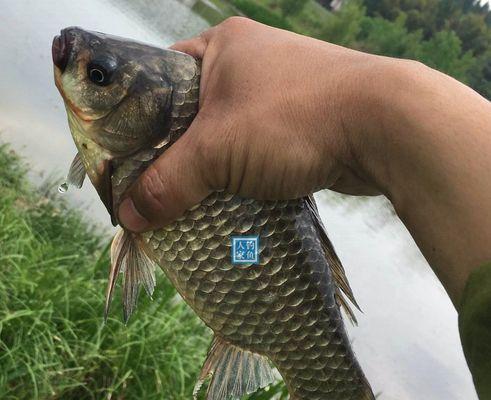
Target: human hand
[{"x": 277, "y": 120}]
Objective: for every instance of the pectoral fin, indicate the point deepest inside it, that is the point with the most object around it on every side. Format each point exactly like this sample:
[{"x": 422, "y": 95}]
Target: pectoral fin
[
  {"x": 234, "y": 372},
  {"x": 76, "y": 175}
]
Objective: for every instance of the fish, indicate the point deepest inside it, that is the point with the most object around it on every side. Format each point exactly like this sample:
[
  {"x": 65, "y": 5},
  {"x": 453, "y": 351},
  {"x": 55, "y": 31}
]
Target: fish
[{"x": 127, "y": 102}]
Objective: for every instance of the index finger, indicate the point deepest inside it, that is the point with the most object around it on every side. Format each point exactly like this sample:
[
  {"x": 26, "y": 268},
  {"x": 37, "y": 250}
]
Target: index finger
[{"x": 196, "y": 46}]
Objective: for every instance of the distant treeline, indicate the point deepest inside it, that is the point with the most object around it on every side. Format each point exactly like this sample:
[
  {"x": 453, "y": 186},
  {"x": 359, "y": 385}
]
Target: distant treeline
[{"x": 453, "y": 36}]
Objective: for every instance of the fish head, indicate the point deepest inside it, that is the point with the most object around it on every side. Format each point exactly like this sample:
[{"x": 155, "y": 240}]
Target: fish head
[{"x": 118, "y": 97}]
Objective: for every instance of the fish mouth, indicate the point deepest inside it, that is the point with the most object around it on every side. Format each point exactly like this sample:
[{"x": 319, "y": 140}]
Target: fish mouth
[{"x": 61, "y": 48}]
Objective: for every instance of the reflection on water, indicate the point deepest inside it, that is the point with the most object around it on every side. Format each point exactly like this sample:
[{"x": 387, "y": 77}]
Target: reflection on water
[
  {"x": 407, "y": 338},
  {"x": 172, "y": 20}
]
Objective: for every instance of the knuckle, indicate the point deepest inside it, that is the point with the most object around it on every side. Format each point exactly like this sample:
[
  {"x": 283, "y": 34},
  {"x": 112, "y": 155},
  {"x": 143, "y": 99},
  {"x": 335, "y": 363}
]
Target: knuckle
[
  {"x": 212, "y": 159},
  {"x": 236, "y": 23},
  {"x": 151, "y": 192},
  {"x": 204, "y": 37},
  {"x": 204, "y": 116},
  {"x": 208, "y": 159},
  {"x": 415, "y": 68},
  {"x": 200, "y": 144}
]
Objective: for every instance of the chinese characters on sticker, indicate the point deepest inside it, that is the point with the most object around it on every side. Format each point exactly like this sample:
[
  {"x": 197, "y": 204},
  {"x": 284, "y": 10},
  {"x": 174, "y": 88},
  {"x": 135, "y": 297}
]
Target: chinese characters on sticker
[{"x": 245, "y": 250}]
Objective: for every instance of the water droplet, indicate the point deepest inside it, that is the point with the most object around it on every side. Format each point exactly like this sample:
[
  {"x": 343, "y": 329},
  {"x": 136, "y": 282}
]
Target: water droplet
[{"x": 63, "y": 187}]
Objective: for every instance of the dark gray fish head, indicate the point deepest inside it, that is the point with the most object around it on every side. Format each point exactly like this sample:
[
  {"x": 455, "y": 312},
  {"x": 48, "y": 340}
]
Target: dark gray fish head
[{"x": 118, "y": 97}]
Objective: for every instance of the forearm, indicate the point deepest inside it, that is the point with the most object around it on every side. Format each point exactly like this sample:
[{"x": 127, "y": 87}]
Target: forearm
[
  {"x": 430, "y": 140},
  {"x": 282, "y": 115}
]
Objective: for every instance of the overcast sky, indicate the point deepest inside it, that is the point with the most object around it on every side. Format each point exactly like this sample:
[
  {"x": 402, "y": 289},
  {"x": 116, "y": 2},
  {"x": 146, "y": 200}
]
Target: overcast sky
[{"x": 407, "y": 339}]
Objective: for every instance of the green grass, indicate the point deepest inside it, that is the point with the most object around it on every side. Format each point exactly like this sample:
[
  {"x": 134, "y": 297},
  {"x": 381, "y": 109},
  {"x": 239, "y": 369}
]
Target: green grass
[{"x": 53, "y": 343}]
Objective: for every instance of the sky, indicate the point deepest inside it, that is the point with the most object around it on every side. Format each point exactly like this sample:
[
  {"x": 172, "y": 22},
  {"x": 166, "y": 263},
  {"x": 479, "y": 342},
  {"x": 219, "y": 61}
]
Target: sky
[{"x": 407, "y": 339}]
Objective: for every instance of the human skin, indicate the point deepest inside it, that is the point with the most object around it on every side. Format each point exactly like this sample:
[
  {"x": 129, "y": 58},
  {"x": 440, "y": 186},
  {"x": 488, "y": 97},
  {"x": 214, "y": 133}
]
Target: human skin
[{"x": 283, "y": 115}]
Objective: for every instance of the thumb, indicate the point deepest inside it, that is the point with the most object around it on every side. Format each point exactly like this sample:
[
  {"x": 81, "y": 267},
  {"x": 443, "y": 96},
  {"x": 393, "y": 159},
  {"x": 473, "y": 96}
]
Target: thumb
[{"x": 175, "y": 182}]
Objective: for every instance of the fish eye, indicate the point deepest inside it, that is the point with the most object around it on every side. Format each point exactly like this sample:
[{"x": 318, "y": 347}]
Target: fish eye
[{"x": 101, "y": 71}]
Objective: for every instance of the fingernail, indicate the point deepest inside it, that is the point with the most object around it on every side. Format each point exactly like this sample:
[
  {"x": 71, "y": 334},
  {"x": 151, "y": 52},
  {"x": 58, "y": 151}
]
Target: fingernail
[{"x": 130, "y": 218}]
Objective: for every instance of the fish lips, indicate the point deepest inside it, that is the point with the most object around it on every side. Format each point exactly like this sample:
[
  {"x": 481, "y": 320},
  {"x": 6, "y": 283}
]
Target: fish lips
[{"x": 61, "y": 48}]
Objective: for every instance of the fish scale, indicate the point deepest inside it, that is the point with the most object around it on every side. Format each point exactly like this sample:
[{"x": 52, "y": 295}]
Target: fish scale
[{"x": 285, "y": 309}]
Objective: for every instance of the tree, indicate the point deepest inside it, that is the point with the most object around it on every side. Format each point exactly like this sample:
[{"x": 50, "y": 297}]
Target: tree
[
  {"x": 456, "y": 35},
  {"x": 292, "y": 7},
  {"x": 325, "y": 3},
  {"x": 480, "y": 75},
  {"x": 344, "y": 26},
  {"x": 453, "y": 36},
  {"x": 473, "y": 31},
  {"x": 444, "y": 52},
  {"x": 389, "y": 38}
]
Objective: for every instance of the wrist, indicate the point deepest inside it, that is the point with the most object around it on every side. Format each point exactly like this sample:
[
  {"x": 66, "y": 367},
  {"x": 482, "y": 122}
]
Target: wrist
[{"x": 374, "y": 85}]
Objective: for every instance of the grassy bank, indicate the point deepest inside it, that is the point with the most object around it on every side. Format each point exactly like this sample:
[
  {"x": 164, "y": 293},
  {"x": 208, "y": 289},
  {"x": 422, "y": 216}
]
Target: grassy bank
[{"x": 53, "y": 344}]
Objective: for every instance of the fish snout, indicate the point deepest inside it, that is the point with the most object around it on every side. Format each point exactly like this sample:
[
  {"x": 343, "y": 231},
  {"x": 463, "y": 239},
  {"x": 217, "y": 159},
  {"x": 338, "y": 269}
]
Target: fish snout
[{"x": 62, "y": 45}]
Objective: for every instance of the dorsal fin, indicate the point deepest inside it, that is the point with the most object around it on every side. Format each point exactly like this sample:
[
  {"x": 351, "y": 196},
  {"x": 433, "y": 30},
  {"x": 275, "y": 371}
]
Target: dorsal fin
[
  {"x": 234, "y": 372},
  {"x": 343, "y": 287},
  {"x": 128, "y": 256}
]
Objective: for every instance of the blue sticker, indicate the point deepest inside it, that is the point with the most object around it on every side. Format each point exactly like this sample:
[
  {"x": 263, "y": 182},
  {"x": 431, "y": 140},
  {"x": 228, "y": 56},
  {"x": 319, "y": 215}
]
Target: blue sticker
[{"x": 245, "y": 250}]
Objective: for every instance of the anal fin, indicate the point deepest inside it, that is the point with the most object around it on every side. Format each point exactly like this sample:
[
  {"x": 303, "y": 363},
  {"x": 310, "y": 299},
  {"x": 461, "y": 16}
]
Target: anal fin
[{"x": 234, "y": 372}]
